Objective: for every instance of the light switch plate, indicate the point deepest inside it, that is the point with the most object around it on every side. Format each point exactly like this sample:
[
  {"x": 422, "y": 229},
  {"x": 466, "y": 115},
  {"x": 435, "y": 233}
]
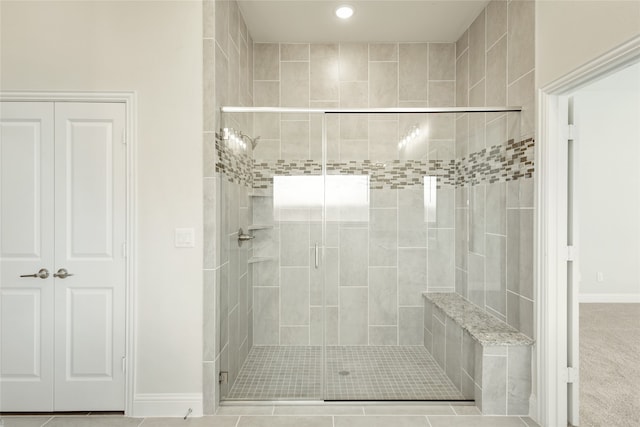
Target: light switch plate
[{"x": 185, "y": 238}]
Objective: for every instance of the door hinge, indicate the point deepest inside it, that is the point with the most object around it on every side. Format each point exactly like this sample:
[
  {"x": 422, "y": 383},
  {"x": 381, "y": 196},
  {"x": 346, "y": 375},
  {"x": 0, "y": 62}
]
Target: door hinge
[
  {"x": 124, "y": 364},
  {"x": 571, "y": 132},
  {"x": 572, "y": 375},
  {"x": 571, "y": 254},
  {"x": 124, "y": 249},
  {"x": 223, "y": 377}
]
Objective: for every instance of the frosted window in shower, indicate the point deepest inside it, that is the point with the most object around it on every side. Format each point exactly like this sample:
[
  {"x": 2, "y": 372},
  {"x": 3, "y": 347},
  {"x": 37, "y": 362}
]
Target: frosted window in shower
[{"x": 346, "y": 197}]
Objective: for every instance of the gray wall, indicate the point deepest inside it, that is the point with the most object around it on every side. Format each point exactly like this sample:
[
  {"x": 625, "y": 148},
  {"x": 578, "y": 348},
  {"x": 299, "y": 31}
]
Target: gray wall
[
  {"x": 380, "y": 258},
  {"x": 492, "y": 223},
  {"x": 494, "y": 218},
  {"x": 228, "y": 56}
]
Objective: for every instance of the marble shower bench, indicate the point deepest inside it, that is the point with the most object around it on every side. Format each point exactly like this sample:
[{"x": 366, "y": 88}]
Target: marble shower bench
[{"x": 488, "y": 360}]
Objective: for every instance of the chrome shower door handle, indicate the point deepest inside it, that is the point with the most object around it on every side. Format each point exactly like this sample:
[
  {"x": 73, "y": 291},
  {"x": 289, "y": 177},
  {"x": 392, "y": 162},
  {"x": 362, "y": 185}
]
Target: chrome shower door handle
[
  {"x": 62, "y": 274},
  {"x": 244, "y": 237},
  {"x": 317, "y": 255},
  {"x": 42, "y": 274}
]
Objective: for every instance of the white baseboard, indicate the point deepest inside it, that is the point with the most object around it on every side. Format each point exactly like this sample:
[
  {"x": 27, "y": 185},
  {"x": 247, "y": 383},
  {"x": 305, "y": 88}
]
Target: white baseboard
[
  {"x": 609, "y": 298},
  {"x": 166, "y": 405}
]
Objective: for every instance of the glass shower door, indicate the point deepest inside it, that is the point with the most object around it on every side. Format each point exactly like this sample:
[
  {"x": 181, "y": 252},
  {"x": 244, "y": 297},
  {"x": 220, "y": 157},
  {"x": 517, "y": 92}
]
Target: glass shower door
[
  {"x": 284, "y": 260},
  {"x": 389, "y": 238},
  {"x": 346, "y": 220}
]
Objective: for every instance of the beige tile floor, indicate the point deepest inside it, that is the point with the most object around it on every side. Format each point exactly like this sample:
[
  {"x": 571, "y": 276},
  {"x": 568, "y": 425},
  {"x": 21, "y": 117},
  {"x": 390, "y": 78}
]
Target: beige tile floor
[{"x": 294, "y": 416}]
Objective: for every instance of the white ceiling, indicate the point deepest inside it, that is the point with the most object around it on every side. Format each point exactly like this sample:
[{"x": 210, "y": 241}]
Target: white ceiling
[{"x": 314, "y": 21}]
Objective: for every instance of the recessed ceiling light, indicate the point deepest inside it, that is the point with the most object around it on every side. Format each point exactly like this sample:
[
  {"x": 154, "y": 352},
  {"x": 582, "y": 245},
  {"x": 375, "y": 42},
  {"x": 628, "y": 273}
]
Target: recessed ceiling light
[{"x": 344, "y": 12}]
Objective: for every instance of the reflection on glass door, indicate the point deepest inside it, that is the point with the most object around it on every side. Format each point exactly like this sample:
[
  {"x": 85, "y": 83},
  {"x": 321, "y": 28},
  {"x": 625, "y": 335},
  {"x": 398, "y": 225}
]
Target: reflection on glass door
[
  {"x": 285, "y": 229},
  {"x": 389, "y": 238}
]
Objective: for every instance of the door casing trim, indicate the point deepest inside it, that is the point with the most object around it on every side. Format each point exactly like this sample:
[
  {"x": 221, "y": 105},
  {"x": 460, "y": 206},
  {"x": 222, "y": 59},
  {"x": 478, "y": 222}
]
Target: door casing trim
[
  {"x": 550, "y": 229},
  {"x": 129, "y": 99}
]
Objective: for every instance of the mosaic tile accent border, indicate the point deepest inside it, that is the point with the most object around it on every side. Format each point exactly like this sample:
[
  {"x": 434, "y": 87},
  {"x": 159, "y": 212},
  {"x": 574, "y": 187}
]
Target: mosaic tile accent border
[
  {"x": 397, "y": 174},
  {"x": 263, "y": 172},
  {"x": 498, "y": 163},
  {"x": 394, "y": 174},
  {"x": 237, "y": 167}
]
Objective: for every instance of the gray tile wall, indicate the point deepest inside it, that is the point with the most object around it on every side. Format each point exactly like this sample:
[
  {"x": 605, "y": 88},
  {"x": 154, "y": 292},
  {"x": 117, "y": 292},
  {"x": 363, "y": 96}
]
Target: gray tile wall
[
  {"x": 227, "y": 300},
  {"x": 378, "y": 260},
  {"x": 498, "y": 378},
  {"x": 483, "y": 229},
  {"x": 353, "y": 75},
  {"x": 235, "y": 307},
  {"x": 494, "y": 220}
]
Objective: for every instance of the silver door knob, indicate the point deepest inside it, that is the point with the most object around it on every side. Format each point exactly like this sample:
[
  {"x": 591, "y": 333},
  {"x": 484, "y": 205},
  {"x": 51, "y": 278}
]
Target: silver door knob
[
  {"x": 62, "y": 274},
  {"x": 43, "y": 274}
]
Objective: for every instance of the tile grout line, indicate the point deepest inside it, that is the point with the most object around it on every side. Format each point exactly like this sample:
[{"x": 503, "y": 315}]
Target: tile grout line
[{"x": 429, "y": 421}]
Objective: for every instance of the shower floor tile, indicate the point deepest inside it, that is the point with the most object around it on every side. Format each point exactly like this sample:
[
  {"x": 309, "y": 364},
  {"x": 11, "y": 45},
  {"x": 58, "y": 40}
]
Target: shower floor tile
[
  {"x": 353, "y": 373},
  {"x": 386, "y": 373},
  {"x": 280, "y": 373}
]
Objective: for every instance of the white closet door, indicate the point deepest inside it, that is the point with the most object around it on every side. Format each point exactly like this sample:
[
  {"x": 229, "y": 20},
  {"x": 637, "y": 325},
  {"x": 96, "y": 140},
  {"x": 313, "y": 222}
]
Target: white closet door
[
  {"x": 26, "y": 247},
  {"x": 90, "y": 233}
]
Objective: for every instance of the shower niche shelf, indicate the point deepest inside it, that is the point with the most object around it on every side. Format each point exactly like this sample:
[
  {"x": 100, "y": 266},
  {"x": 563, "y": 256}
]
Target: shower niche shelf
[
  {"x": 260, "y": 195},
  {"x": 260, "y": 227},
  {"x": 257, "y": 259}
]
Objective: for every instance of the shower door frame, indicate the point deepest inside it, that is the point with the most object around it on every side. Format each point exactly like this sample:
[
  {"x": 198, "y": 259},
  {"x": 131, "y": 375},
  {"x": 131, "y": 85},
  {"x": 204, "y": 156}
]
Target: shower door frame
[{"x": 321, "y": 255}]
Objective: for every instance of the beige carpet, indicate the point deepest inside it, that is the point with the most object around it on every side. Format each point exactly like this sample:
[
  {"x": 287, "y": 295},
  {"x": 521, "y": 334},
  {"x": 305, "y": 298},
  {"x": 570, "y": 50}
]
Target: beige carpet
[{"x": 609, "y": 365}]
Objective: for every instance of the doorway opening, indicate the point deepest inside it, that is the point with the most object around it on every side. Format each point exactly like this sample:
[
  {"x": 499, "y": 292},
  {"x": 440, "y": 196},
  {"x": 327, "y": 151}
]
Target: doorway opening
[{"x": 568, "y": 227}]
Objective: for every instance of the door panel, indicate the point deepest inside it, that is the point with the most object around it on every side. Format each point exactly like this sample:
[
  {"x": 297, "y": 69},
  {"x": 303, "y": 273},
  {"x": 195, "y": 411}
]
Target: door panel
[
  {"x": 90, "y": 225},
  {"x": 21, "y": 146},
  {"x": 89, "y": 332},
  {"x": 21, "y": 359},
  {"x": 80, "y": 159},
  {"x": 89, "y": 187},
  {"x": 26, "y": 246}
]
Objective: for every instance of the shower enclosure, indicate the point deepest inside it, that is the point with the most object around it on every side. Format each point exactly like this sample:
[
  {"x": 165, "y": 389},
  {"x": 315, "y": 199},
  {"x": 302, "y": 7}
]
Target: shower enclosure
[{"x": 333, "y": 223}]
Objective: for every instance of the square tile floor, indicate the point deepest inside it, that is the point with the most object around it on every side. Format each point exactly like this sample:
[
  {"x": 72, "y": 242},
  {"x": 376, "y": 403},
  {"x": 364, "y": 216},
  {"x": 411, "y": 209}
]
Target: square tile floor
[
  {"x": 293, "y": 416},
  {"x": 352, "y": 373}
]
